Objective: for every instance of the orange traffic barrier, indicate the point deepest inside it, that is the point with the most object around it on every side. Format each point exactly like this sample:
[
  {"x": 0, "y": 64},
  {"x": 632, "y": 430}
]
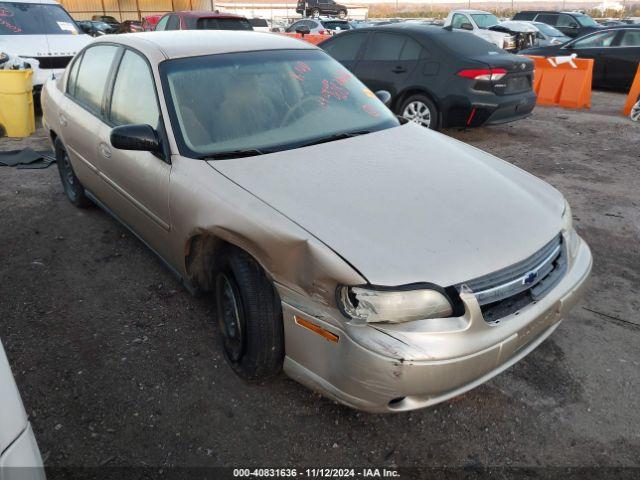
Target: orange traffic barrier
[
  {"x": 634, "y": 94},
  {"x": 564, "y": 81},
  {"x": 311, "y": 38}
]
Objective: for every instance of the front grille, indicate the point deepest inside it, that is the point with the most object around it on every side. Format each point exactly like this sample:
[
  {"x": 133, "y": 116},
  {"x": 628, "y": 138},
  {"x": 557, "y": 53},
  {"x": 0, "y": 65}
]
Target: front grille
[
  {"x": 52, "y": 62},
  {"x": 509, "y": 290}
]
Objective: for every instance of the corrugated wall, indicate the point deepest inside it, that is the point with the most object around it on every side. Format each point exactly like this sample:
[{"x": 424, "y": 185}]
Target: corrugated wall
[{"x": 130, "y": 9}]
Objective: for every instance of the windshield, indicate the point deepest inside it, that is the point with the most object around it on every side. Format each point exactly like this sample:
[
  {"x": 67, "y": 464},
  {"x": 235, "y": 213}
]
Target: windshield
[
  {"x": 586, "y": 21},
  {"x": 548, "y": 30},
  {"x": 266, "y": 100},
  {"x": 213, "y": 23},
  {"x": 485, "y": 20},
  {"x": 35, "y": 19}
]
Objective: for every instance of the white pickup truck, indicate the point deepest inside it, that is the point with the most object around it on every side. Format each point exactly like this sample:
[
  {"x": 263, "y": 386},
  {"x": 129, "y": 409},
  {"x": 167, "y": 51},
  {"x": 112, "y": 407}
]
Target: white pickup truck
[{"x": 510, "y": 36}]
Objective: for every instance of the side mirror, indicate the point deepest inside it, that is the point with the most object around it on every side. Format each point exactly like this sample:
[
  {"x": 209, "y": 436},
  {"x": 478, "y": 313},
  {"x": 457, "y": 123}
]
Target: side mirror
[
  {"x": 384, "y": 97},
  {"x": 136, "y": 137},
  {"x": 466, "y": 26},
  {"x": 303, "y": 30}
]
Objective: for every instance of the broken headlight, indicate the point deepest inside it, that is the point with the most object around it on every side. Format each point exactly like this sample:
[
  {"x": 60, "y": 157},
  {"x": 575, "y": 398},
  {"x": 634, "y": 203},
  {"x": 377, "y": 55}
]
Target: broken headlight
[
  {"x": 374, "y": 305},
  {"x": 570, "y": 234}
]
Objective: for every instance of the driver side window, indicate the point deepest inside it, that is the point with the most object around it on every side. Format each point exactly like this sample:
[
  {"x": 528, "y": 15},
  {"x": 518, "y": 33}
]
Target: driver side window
[
  {"x": 458, "y": 19},
  {"x": 566, "y": 21}
]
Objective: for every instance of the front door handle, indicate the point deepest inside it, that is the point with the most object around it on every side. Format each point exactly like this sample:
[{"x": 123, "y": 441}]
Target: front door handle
[
  {"x": 399, "y": 70},
  {"x": 63, "y": 120},
  {"x": 105, "y": 151}
]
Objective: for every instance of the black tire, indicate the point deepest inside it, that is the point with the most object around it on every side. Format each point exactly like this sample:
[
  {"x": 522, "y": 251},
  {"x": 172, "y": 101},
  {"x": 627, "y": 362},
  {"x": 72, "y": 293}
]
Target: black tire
[
  {"x": 256, "y": 352},
  {"x": 72, "y": 186},
  {"x": 412, "y": 102}
]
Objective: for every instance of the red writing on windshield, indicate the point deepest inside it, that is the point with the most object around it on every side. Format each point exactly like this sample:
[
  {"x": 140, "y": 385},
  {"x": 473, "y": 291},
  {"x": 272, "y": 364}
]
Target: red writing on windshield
[
  {"x": 299, "y": 70},
  {"x": 332, "y": 89},
  {"x": 10, "y": 26}
]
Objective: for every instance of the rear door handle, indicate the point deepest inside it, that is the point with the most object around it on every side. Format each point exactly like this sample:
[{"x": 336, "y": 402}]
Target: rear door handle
[
  {"x": 399, "y": 70},
  {"x": 63, "y": 120},
  {"x": 105, "y": 151}
]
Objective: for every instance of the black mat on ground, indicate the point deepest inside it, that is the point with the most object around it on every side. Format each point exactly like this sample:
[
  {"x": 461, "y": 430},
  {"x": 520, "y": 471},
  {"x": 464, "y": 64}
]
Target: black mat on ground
[{"x": 27, "y": 159}]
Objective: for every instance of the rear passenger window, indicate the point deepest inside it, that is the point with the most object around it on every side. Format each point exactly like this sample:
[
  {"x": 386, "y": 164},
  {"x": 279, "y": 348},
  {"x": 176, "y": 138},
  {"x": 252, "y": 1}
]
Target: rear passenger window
[
  {"x": 134, "y": 95},
  {"x": 411, "y": 50},
  {"x": 390, "y": 47},
  {"x": 73, "y": 76},
  {"x": 92, "y": 76},
  {"x": 566, "y": 21},
  {"x": 173, "y": 23},
  {"x": 345, "y": 48},
  {"x": 385, "y": 46}
]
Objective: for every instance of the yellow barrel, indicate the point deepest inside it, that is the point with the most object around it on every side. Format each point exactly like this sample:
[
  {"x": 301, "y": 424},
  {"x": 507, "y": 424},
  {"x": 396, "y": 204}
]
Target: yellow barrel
[{"x": 17, "y": 118}]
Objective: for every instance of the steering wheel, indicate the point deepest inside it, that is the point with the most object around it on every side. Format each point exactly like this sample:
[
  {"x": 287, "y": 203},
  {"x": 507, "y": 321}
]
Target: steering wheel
[{"x": 297, "y": 107}]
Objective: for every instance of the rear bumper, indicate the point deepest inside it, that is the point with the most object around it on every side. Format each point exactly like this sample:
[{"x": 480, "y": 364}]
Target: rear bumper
[
  {"x": 483, "y": 109},
  {"x": 378, "y": 369}
]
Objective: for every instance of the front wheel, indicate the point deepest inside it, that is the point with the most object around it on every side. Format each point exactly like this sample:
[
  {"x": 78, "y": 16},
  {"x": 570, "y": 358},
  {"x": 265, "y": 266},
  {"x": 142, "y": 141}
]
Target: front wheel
[
  {"x": 420, "y": 109},
  {"x": 249, "y": 317},
  {"x": 635, "y": 112}
]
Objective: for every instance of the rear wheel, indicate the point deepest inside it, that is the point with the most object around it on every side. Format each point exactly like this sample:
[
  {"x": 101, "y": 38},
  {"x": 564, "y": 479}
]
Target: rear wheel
[
  {"x": 249, "y": 317},
  {"x": 72, "y": 186},
  {"x": 420, "y": 109}
]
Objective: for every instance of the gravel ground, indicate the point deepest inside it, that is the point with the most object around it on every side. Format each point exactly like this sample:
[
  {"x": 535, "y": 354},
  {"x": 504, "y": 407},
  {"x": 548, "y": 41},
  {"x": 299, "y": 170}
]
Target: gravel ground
[{"x": 119, "y": 366}]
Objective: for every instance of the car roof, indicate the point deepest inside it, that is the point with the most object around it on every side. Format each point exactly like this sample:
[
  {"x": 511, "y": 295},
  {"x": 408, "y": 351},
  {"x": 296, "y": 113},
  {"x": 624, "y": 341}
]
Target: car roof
[
  {"x": 205, "y": 14},
  {"x": 412, "y": 27},
  {"x": 48, "y": 2},
  {"x": 158, "y": 46},
  {"x": 471, "y": 11}
]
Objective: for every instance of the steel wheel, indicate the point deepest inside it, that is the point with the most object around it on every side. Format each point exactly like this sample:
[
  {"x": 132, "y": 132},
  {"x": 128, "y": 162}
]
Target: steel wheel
[
  {"x": 635, "y": 112},
  {"x": 418, "y": 112},
  {"x": 230, "y": 317}
]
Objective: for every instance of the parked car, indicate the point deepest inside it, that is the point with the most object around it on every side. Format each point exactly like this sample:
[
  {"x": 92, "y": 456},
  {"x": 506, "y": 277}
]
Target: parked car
[
  {"x": 548, "y": 35},
  {"x": 320, "y": 26},
  {"x": 260, "y": 24},
  {"x": 191, "y": 20},
  {"x": 149, "y": 22},
  {"x": 94, "y": 28},
  {"x": 510, "y": 36},
  {"x": 572, "y": 24},
  {"x": 615, "y": 52},
  {"x": 130, "y": 26},
  {"x": 107, "y": 19},
  {"x": 314, "y": 8},
  {"x": 19, "y": 453},
  {"x": 41, "y": 32},
  {"x": 384, "y": 265},
  {"x": 437, "y": 77}
]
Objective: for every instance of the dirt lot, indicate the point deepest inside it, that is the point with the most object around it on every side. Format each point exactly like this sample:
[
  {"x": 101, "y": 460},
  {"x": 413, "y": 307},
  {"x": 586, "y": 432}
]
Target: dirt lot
[{"x": 118, "y": 365}]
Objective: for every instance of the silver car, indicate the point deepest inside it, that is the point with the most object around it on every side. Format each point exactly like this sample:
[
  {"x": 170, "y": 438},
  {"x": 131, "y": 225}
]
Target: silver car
[{"x": 382, "y": 264}]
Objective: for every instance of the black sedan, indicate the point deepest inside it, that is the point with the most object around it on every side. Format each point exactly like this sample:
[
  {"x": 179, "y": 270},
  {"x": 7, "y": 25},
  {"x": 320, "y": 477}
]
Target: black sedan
[
  {"x": 615, "y": 51},
  {"x": 436, "y": 77}
]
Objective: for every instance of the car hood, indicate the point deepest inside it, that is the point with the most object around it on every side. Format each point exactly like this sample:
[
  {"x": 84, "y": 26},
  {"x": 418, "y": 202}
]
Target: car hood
[
  {"x": 43, "y": 45},
  {"x": 407, "y": 204},
  {"x": 13, "y": 419}
]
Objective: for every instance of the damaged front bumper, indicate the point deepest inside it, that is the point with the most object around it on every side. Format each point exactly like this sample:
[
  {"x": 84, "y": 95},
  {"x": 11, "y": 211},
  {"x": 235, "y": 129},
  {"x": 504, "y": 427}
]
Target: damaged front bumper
[{"x": 387, "y": 368}]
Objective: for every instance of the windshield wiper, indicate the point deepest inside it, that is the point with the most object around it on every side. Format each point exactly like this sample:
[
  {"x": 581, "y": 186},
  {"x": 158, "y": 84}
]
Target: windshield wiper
[
  {"x": 249, "y": 152},
  {"x": 336, "y": 136}
]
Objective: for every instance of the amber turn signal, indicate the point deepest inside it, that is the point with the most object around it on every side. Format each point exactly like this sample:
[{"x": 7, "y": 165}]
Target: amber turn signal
[{"x": 332, "y": 337}]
